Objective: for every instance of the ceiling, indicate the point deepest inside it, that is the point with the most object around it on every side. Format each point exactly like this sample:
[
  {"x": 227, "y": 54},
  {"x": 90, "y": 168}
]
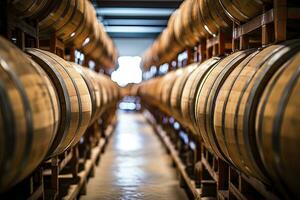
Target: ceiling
[
  {"x": 134, "y": 24},
  {"x": 135, "y": 18}
]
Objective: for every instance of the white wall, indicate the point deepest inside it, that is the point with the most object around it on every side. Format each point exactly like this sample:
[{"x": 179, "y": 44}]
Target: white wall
[{"x": 132, "y": 46}]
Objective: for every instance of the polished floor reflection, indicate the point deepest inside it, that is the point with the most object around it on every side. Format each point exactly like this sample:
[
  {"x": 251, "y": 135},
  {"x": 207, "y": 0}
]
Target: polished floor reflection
[{"x": 134, "y": 166}]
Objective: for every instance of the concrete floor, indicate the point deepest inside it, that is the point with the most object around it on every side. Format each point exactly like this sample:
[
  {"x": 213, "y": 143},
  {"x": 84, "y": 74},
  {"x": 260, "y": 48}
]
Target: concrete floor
[{"x": 134, "y": 166}]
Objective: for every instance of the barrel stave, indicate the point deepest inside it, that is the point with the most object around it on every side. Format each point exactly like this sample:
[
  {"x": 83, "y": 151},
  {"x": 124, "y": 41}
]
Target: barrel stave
[{"x": 32, "y": 103}]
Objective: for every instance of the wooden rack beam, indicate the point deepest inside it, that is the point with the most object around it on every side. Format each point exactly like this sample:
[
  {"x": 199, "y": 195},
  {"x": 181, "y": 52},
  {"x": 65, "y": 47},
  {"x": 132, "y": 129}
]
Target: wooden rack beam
[{"x": 253, "y": 24}]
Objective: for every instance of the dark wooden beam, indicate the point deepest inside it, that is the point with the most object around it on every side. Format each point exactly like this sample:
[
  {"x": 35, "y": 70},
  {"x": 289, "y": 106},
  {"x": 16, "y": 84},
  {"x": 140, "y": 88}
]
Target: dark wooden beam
[
  {"x": 133, "y": 35},
  {"x": 137, "y": 4},
  {"x": 133, "y": 17}
]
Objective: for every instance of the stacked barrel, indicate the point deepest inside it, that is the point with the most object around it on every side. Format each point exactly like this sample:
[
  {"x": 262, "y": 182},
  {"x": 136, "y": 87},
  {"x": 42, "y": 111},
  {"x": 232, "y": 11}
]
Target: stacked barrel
[
  {"x": 74, "y": 22},
  {"x": 244, "y": 107},
  {"x": 198, "y": 19},
  {"x": 46, "y": 105}
]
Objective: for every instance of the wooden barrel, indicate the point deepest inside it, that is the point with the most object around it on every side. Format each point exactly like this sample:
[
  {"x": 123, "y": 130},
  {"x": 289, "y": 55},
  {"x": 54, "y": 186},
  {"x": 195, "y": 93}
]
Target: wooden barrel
[
  {"x": 154, "y": 90},
  {"x": 205, "y": 100},
  {"x": 29, "y": 115},
  {"x": 218, "y": 14},
  {"x": 146, "y": 60},
  {"x": 178, "y": 26},
  {"x": 189, "y": 37},
  {"x": 150, "y": 96},
  {"x": 115, "y": 55},
  {"x": 183, "y": 25},
  {"x": 175, "y": 44},
  {"x": 174, "y": 91},
  {"x": 151, "y": 87},
  {"x": 74, "y": 98},
  {"x": 198, "y": 24},
  {"x": 167, "y": 85},
  {"x": 94, "y": 40},
  {"x": 31, "y": 8},
  {"x": 213, "y": 16},
  {"x": 94, "y": 77},
  {"x": 94, "y": 90},
  {"x": 98, "y": 51},
  {"x": 109, "y": 90},
  {"x": 277, "y": 127},
  {"x": 69, "y": 19},
  {"x": 159, "y": 87},
  {"x": 69, "y": 30},
  {"x": 234, "y": 118},
  {"x": 104, "y": 91},
  {"x": 73, "y": 21},
  {"x": 190, "y": 89},
  {"x": 243, "y": 10},
  {"x": 175, "y": 98},
  {"x": 164, "y": 91},
  {"x": 168, "y": 46},
  {"x": 109, "y": 48},
  {"x": 141, "y": 91},
  {"x": 82, "y": 33},
  {"x": 116, "y": 90},
  {"x": 60, "y": 15}
]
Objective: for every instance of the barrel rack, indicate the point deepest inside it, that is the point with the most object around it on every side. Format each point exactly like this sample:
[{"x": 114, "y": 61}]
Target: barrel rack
[
  {"x": 64, "y": 176},
  {"x": 202, "y": 173}
]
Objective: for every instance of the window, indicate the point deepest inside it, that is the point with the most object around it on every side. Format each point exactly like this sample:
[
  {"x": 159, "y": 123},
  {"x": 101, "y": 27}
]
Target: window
[{"x": 129, "y": 70}]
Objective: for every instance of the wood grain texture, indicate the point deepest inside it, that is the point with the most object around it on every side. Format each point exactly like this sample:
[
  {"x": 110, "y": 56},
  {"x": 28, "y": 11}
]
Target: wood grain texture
[
  {"x": 190, "y": 90},
  {"x": 69, "y": 30},
  {"x": 165, "y": 93},
  {"x": 31, "y": 8},
  {"x": 205, "y": 99},
  {"x": 277, "y": 126},
  {"x": 29, "y": 115},
  {"x": 75, "y": 102},
  {"x": 175, "y": 98},
  {"x": 247, "y": 83},
  {"x": 94, "y": 91},
  {"x": 243, "y": 10},
  {"x": 244, "y": 107},
  {"x": 213, "y": 16},
  {"x": 187, "y": 33}
]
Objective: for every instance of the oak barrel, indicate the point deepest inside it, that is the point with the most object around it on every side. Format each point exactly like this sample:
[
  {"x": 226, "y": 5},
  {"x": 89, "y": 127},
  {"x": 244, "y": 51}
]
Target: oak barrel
[
  {"x": 188, "y": 98},
  {"x": 82, "y": 33},
  {"x": 277, "y": 127},
  {"x": 205, "y": 99},
  {"x": 175, "y": 98},
  {"x": 238, "y": 98},
  {"x": 198, "y": 23},
  {"x": 31, "y": 8},
  {"x": 243, "y": 10},
  {"x": 29, "y": 115},
  {"x": 167, "y": 85},
  {"x": 69, "y": 30},
  {"x": 189, "y": 37},
  {"x": 59, "y": 15},
  {"x": 74, "y": 99},
  {"x": 213, "y": 16},
  {"x": 94, "y": 90}
]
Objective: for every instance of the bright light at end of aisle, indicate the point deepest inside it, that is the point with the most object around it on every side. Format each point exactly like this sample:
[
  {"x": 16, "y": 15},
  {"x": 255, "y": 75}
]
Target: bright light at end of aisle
[{"x": 129, "y": 70}]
